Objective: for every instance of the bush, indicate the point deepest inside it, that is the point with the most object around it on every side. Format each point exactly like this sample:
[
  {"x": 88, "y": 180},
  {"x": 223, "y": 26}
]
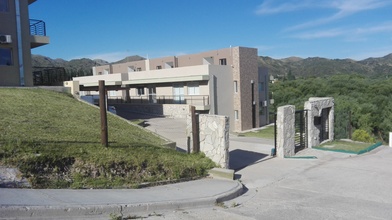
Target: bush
[{"x": 363, "y": 136}]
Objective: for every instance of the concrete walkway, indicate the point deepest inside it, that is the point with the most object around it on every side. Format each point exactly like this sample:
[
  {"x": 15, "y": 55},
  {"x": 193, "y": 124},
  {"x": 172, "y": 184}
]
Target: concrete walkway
[{"x": 96, "y": 204}]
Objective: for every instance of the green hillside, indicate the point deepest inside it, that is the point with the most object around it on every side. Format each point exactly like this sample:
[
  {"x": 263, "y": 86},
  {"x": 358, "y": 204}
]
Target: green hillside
[{"x": 55, "y": 141}]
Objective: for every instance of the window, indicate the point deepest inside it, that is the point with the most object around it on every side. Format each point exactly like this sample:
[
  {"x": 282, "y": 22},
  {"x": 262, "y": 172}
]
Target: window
[
  {"x": 112, "y": 93},
  {"x": 5, "y": 57},
  {"x": 159, "y": 67},
  {"x": 193, "y": 88},
  {"x": 236, "y": 114},
  {"x": 139, "y": 69},
  {"x": 131, "y": 69},
  {"x": 140, "y": 91},
  {"x": 4, "y": 6},
  {"x": 222, "y": 61},
  {"x": 261, "y": 86},
  {"x": 235, "y": 87}
]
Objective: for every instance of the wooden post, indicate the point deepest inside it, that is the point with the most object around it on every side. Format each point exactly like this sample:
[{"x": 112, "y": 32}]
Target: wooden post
[
  {"x": 102, "y": 107},
  {"x": 195, "y": 130}
]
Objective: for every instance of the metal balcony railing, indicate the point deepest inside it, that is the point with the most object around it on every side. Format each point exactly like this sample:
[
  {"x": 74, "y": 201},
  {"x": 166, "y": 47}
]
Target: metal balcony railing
[
  {"x": 37, "y": 27},
  {"x": 197, "y": 100}
]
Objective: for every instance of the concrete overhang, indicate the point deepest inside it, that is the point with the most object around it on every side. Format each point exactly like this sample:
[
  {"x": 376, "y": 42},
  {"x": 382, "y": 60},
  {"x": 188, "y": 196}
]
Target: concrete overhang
[
  {"x": 31, "y": 1},
  {"x": 107, "y": 83},
  {"x": 167, "y": 80},
  {"x": 37, "y": 41}
]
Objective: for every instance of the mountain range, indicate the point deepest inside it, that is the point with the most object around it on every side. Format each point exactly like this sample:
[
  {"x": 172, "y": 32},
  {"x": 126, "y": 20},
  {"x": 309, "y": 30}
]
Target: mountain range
[{"x": 296, "y": 66}]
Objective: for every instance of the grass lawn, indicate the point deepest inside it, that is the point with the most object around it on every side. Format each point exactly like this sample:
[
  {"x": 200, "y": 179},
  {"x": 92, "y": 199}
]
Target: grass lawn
[
  {"x": 345, "y": 146},
  {"x": 267, "y": 133},
  {"x": 55, "y": 142}
]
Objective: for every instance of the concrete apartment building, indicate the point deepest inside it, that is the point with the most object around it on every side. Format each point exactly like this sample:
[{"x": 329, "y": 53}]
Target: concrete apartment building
[
  {"x": 224, "y": 82},
  {"x": 18, "y": 35}
]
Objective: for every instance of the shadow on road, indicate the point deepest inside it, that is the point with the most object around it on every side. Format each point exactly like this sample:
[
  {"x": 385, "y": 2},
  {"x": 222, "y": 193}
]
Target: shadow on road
[{"x": 240, "y": 159}]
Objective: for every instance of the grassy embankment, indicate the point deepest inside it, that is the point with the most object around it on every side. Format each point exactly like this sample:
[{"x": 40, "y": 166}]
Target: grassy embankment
[
  {"x": 336, "y": 145},
  {"x": 55, "y": 142},
  {"x": 266, "y": 133}
]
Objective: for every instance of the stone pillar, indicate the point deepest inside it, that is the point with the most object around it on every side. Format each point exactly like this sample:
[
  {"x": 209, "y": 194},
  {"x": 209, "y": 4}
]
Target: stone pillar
[
  {"x": 125, "y": 94},
  {"x": 390, "y": 139},
  {"x": 214, "y": 138},
  {"x": 315, "y": 107},
  {"x": 285, "y": 123}
]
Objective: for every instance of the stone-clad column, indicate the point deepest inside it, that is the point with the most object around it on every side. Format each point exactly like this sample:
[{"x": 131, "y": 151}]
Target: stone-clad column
[
  {"x": 214, "y": 138},
  {"x": 285, "y": 123}
]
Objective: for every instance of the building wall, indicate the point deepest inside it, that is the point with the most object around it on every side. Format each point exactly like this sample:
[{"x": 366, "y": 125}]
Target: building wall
[
  {"x": 197, "y": 59},
  {"x": 245, "y": 69},
  {"x": 163, "y": 63},
  {"x": 221, "y": 92},
  {"x": 10, "y": 75},
  {"x": 240, "y": 67}
]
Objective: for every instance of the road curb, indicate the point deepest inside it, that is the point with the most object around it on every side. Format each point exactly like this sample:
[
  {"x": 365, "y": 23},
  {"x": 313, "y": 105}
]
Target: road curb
[{"x": 101, "y": 211}]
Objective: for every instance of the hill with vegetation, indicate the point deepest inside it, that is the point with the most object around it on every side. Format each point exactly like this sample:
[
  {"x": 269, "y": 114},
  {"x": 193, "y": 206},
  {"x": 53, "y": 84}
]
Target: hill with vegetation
[
  {"x": 316, "y": 66},
  {"x": 362, "y": 103},
  {"x": 75, "y": 67},
  {"x": 54, "y": 140},
  {"x": 280, "y": 68}
]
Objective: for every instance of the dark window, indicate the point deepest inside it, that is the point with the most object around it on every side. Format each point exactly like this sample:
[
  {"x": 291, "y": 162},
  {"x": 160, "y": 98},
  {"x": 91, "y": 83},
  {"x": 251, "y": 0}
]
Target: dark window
[
  {"x": 4, "y": 6},
  {"x": 261, "y": 86},
  {"x": 317, "y": 120},
  {"x": 159, "y": 67},
  {"x": 5, "y": 57},
  {"x": 140, "y": 91},
  {"x": 139, "y": 69},
  {"x": 222, "y": 61}
]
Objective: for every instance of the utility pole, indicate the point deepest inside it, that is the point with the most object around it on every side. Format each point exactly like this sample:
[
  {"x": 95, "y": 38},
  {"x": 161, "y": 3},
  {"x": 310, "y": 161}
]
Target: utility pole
[{"x": 102, "y": 107}]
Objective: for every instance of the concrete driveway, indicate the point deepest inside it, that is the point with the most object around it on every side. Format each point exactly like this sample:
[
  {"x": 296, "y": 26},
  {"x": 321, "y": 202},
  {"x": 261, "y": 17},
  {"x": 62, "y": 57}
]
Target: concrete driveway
[{"x": 333, "y": 186}]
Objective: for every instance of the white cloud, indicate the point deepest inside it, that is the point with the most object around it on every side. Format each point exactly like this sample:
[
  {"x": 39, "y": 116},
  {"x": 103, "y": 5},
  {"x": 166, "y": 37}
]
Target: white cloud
[
  {"x": 320, "y": 34},
  {"x": 343, "y": 9},
  {"x": 354, "y": 34},
  {"x": 268, "y": 8}
]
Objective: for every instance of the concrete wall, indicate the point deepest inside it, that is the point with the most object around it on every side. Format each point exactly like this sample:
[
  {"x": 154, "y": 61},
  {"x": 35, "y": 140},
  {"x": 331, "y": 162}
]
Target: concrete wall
[
  {"x": 221, "y": 92},
  {"x": 324, "y": 109},
  {"x": 285, "y": 140},
  {"x": 94, "y": 79},
  {"x": 73, "y": 87},
  {"x": 214, "y": 138}
]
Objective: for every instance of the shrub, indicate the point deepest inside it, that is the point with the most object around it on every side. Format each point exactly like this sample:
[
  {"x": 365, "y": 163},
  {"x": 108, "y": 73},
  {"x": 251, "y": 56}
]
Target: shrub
[{"x": 363, "y": 136}]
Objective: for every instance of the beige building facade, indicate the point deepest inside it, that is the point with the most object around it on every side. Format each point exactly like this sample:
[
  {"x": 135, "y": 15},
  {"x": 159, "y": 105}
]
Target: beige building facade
[
  {"x": 223, "y": 82},
  {"x": 18, "y": 35}
]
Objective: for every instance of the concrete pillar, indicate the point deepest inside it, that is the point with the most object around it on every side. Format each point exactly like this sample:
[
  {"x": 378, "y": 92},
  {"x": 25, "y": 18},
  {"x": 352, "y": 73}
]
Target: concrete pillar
[
  {"x": 285, "y": 123},
  {"x": 390, "y": 139},
  {"x": 73, "y": 87}
]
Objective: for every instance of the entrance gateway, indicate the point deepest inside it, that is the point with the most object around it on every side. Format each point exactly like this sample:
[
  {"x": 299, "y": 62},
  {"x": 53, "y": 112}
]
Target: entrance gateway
[{"x": 296, "y": 130}]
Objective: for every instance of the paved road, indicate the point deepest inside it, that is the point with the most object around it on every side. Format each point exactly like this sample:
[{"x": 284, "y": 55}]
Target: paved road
[{"x": 333, "y": 186}]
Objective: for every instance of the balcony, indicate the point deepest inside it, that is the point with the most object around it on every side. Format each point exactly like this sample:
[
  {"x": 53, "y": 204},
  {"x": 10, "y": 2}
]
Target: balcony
[{"x": 38, "y": 33}]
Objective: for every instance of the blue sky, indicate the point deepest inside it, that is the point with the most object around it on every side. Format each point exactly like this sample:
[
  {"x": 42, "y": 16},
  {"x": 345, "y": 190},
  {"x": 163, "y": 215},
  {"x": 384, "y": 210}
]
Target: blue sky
[{"x": 114, "y": 29}]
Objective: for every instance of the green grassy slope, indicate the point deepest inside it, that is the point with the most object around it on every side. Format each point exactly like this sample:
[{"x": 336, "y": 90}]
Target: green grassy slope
[{"x": 55, "y": 141}]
